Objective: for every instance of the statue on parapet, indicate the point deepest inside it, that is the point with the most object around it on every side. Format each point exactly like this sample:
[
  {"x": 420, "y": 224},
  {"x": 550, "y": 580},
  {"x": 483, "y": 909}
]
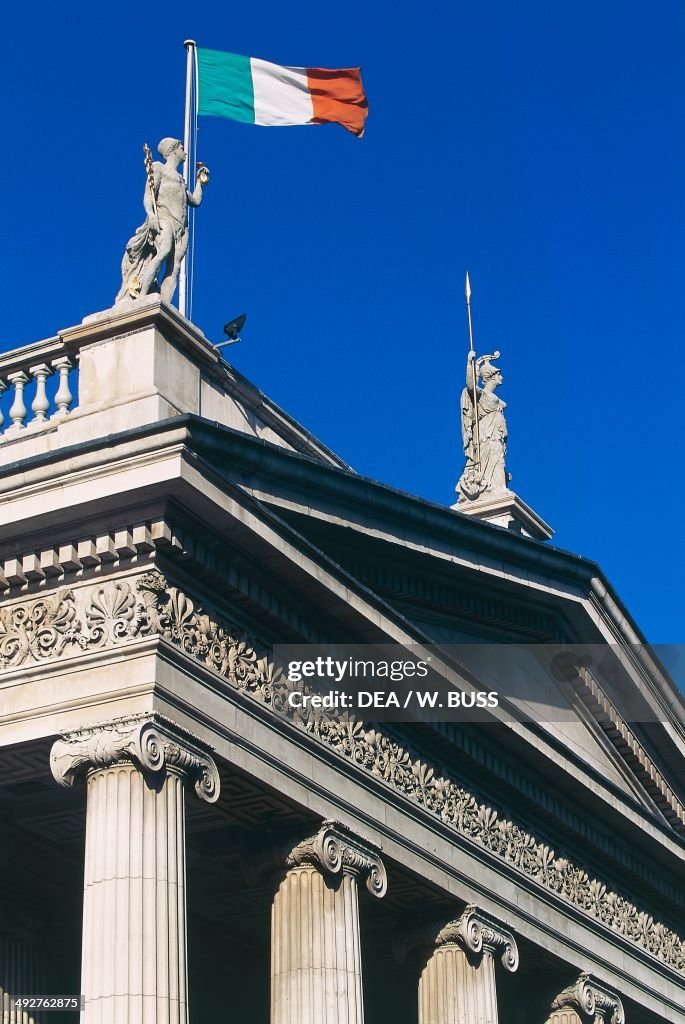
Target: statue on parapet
[
  {"x": 484, "y": 432},
  {"x": 154, "y": 254}
]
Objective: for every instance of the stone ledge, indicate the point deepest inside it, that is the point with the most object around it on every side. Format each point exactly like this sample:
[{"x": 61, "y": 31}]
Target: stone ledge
[
  {"x": 508, "y": 510},
  {"x": 129, "y": 318}
]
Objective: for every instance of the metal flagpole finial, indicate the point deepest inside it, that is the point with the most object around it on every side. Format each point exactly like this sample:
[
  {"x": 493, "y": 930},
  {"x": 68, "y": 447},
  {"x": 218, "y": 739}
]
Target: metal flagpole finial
[
  {"x": 467, "y": 292},
  {"x": 472, "y": 375},
  {"x": 189, "y": 42}
]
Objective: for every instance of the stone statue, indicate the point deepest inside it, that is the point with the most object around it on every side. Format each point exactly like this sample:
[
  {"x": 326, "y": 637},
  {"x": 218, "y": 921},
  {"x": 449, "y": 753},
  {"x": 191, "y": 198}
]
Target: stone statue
[
  {"x": 160, "y": 243},
  {"x": 485, "y": 439}
]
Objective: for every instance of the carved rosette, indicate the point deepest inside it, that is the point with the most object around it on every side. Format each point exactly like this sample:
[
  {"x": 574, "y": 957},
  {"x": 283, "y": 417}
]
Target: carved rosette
[
  {"x": 152, "y": 743},
  {"x": 592, "y": 1001},
  {"x": 335, "y": 850}
]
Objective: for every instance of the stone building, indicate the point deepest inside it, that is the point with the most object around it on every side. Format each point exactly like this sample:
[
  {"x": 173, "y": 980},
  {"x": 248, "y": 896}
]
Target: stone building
[{"x": 175, "y": 847}]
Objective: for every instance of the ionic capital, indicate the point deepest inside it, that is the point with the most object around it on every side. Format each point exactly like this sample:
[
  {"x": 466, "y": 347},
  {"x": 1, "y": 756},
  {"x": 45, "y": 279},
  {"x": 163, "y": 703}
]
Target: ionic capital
[
  {"x": 150, "y": 742},
  {"x": 475, "y": 932},
  {"x": 480, "y": 933},
  {"x": 592, "y": 1001},
  {"x": 334, "y": 851}
]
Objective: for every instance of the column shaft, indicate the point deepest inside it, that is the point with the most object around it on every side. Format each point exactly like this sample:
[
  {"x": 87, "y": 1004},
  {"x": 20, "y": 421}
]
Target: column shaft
[
  {"x": 316, "y": 973},
  {"x": 134, "y": 916},
  {"x": 21, "y": 974},
  {"x": 454, "y": 991},
  {"x": 568, "y": 1016}
]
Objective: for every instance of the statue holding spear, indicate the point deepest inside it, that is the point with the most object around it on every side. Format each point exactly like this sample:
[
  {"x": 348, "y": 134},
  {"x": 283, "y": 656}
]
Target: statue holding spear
[
  {"x": 154, "y": 254},
  {"x": 483, "y": 426}
]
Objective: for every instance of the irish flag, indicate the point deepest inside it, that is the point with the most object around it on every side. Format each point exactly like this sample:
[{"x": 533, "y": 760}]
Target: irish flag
[{"x": 258, "y": 92}]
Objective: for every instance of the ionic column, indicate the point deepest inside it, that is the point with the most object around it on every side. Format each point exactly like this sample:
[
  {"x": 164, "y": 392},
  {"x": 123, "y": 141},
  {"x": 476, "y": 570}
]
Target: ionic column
[
  {"x": 316, "y": 967},
  {"x": 22, "y": 963},
  {"x": 134, "y": 967},
  {"x": 588, "y": 1001},
  {"x": 457, "y": 984}
]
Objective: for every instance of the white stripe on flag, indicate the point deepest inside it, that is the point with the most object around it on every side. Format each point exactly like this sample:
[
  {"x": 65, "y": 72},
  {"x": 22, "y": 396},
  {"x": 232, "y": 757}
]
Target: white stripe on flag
[{"x": 281, "y": 95}]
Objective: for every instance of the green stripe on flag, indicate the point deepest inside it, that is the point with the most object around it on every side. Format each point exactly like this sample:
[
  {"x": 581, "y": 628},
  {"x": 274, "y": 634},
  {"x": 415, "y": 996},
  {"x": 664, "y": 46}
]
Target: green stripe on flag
[{"x": 225, "y": 85}]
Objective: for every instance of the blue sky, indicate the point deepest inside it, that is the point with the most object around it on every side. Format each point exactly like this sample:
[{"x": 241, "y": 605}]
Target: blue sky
[{"x": 538, "y": 145}]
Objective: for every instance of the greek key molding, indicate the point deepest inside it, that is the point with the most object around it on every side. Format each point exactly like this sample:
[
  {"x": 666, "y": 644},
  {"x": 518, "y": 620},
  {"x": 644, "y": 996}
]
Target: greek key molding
[
  {"x": 592, "y": 1001},
  {"x": 150, "y": 742},
  {"x": 115, "y": 612}
]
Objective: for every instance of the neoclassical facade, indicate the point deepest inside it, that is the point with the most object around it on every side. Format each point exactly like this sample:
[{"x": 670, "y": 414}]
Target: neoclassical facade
[{"x": 178, "y": 844}]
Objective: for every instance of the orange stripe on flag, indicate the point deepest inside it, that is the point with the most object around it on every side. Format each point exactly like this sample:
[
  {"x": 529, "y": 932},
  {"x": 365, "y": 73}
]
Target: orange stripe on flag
[{"x": 338, "y": 95}]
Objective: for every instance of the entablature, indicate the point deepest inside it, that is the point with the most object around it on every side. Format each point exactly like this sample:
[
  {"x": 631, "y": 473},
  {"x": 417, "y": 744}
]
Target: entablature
[{"x": 109, "y": 614}]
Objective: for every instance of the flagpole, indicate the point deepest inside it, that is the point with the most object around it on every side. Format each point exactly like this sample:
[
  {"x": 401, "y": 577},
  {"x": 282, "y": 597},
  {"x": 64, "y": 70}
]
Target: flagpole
[{"x": 190, "y": 46}]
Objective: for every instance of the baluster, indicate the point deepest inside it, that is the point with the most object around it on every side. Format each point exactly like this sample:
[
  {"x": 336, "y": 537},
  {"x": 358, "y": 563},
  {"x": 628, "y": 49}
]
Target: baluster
[
  {"x": 64, "y": 397},
  {"x": 18, "y": 407},
  {"x": 3, "y": 387},
  {"x": 40, "y": 404}
]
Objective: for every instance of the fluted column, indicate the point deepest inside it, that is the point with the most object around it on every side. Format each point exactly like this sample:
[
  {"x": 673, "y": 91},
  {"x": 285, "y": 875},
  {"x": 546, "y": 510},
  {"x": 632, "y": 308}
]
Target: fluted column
[
  {"x": 316, "y": 966},
  {"x": 22, "y": 963},
  {"x": 588, "y": 1001},
  {"x": 134, "y": 968},
  {"x": 458, "y": 984}
]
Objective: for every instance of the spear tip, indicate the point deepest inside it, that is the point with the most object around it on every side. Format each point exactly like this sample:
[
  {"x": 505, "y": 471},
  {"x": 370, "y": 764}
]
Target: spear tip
[{"x": 468, "y": 287}]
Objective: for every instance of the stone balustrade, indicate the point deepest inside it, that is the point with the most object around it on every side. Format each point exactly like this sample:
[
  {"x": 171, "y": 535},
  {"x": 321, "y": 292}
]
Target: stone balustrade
[
  {"x": 131, "y": 368},
  {"x": 27, "y": 399}
]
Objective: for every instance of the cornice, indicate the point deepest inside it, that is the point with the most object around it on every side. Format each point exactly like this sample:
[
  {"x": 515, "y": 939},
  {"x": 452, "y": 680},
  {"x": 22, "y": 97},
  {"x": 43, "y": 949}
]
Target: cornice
[
  {"x": 475, "y": 603},
  {"x": 624, "y": 740}
]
